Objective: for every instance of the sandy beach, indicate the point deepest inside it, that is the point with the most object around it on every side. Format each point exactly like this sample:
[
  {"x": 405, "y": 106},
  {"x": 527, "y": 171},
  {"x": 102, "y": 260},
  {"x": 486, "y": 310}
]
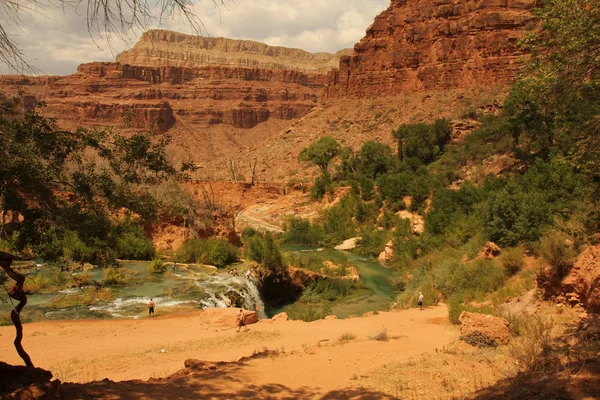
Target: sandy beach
[{"x": 307, "y": 354}]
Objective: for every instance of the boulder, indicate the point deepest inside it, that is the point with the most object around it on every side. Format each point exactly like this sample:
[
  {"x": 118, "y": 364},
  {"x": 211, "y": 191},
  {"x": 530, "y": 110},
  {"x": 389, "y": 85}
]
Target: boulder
[
  {"x": 495, "y": 328},
  {"x": 388, "y": 252},
  {"x": 282, "y": 316},
  {"x": 347, "y": 244},
  {"x": 226, "y": 317},
  {"x": 20, "y": 382},
  {"x": 417, "y": 223},
  {"x": 490, "y": 250}
]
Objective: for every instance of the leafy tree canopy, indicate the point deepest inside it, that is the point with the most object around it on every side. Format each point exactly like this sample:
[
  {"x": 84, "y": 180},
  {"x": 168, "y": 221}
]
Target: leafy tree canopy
[
  {"x": 60, "y": 182},
  {"x": 321, "y": 153}
]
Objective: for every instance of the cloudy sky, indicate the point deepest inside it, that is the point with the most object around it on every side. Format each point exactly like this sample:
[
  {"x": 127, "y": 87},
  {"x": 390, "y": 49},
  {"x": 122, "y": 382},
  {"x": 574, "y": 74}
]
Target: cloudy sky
[{"x": 57, "y": 40}]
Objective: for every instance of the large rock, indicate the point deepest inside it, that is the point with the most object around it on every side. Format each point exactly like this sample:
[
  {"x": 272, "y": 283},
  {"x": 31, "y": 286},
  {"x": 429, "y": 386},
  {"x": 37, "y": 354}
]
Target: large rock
[
  {"x": 424, "y": 45},
  {"x": 490, "y": 250},
  {"x": 495, "y": 328},
  {"x": 226, "y": 317},
  {"x": 417, "y": 222},
  {"x": 20, "y": 382},
  {"x": 282, "y": 316},
  {"x": 583, "y": 281},
  {"x": 388, "y": 252},
  {"x": 347, "y": 244}
]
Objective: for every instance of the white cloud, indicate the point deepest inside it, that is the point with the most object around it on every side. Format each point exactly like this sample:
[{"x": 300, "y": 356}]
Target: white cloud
[{"x": 58, "y": 42}]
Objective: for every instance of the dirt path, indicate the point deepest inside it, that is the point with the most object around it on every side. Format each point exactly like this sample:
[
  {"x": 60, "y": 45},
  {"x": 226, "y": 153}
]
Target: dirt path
[{"x": 304, "y": 357}]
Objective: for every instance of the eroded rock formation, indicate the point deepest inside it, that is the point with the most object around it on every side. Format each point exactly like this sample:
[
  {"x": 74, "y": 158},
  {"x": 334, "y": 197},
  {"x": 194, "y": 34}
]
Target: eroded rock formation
[
  {"x": 158, "y": 48},
  {"x": 169, "y": 77},
  {"x": 433, "y": 44}
]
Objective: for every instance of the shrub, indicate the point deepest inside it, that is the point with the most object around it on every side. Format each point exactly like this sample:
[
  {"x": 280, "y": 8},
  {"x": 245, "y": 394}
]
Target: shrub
[
  {"x": 308, "y": 313},
  {"x": 371, "y": 242},
  {"x": 512, "y": 260},
  {"x": 322, "y": 185},
  {"x": 132, "y": 243},
  {"x": 265, "y": 252},
  {"x": 515, "y": 216},
  {"x": 346, "y": 337},
  {"x": 479, "y": 276},
  {"x": 367, "y": 187},
  {"x": 455, "y": 308},
  {"x": 249, "y": 232},
  {"x": 532, "y": 348},
  {"x": 217, "y": 252},
  {"x": 328, "y": 290},
  {"x": 479, "y": 339},
  {"x": 557, "y": 253},
  {"x": 157, "y": 266},
  {"x": 114, "y": 276},
  {"x": 301, "y": 232},
  {"x": 393, "y": 187},
  {"x": 374, "y": 159}
]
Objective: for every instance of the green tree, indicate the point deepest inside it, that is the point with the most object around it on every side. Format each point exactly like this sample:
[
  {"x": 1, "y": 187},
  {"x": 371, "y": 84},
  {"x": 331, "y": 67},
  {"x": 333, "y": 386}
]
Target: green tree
[
  {"x": 374, "y": 159},
  {"x": 423, "y": 142},
  {"x": 321, "y": 153},
  {"x": 62, "y": 181},
  {"x": 555, "y": 103}
]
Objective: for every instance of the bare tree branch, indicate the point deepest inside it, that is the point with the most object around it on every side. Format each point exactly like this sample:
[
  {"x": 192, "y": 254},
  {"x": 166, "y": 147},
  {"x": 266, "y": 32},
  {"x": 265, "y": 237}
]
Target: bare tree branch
[{"x": 106, "y": 19}]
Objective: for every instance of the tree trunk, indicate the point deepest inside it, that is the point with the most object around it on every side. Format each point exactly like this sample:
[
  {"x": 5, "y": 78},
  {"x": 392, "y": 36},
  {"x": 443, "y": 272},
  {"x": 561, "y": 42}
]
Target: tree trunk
[{"x": 17, "y": 293}]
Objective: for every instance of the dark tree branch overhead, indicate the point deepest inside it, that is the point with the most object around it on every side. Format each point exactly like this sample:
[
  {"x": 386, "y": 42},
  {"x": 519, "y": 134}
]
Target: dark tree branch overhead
[{"x": 105, "y": 19}]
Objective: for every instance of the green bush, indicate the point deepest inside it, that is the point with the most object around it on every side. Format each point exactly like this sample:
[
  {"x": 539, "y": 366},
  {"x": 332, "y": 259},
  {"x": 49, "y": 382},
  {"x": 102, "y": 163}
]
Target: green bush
[
  {"x": 132, "y": 243},
  {"x": 328, "y": 290},
  {"x": 374, "y": 159},
  {"x": 249, "y": 232},
  {"x": 265, "y": 251},
  {"x": 393, "y": 187},
  {"x": 322, "y": 185},
  {"x": 308, "y": 313},
  {"x": 469, "y": 279},
  {"x": 423, "y": 142},
  {"x": 557, "y": 252},
  {"x": 217, "y": 252},
  {"x": 512, "y": 260},
  {"x": 371, "y": 242},
  {"x": 114, "y": 276},
  {"x": 301, "y": 232},
  {"x": 515, "y": 216},
  {"x": 157, "y": 266}
]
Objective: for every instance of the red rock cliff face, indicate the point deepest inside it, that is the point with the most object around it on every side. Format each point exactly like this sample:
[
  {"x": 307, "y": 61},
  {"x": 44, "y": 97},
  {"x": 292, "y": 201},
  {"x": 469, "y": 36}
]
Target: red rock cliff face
[
  {"x": 156, "y": 97},
  {"x": 431, "y": 44}
]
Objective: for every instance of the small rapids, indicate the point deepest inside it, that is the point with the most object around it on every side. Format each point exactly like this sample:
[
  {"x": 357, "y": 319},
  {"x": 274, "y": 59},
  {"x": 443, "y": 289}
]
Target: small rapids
[
  {"x": 220, "y": 289},
  {"x": 177, "y": 290}
]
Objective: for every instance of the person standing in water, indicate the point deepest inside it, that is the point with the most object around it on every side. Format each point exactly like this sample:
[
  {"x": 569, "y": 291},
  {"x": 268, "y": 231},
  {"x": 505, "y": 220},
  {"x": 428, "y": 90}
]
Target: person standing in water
[
  {"x": 420, "y": 300},
  {"x": 151, "y": 308}
]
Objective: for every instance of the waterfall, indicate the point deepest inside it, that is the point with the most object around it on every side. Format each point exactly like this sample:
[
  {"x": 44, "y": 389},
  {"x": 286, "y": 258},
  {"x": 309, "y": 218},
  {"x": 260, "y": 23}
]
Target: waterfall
[{"x": 217, "y": 286}]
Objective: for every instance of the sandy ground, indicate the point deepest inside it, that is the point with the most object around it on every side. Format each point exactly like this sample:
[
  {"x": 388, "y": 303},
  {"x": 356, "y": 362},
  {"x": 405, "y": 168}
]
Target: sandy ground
[{"x": 309, "y": 357}]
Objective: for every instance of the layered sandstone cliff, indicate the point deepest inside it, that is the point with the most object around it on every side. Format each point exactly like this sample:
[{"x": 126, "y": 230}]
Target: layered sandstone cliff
[
  {"x": 159, "y": 48},
  {"x": 435, "y": 44},
  {"x": 202, "y": 82}
]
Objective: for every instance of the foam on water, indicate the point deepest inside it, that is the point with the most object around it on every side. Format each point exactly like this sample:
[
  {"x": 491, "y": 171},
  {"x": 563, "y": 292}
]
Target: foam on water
[{"x": 216, "y": 286}]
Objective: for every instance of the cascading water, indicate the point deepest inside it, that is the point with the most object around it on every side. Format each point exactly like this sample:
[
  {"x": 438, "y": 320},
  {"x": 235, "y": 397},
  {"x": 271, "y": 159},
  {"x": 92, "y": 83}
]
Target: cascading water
[
  {"x": 219, "y": 289},
  {"x": 182, "y": 287}
]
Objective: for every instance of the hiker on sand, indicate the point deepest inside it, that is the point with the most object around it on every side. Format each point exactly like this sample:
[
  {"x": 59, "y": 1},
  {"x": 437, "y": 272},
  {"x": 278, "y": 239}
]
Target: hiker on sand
[
  {"x": 151, "y": 308},
  {"x": 241, "y": 321},
  {"x": 420, "y": 300}
]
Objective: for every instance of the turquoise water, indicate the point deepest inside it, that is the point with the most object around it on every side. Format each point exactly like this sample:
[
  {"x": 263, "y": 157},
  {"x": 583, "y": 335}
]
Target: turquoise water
[
  {"x": 176, "y": 290},
  {"x": 378, "y": 291},
  {"x": 196, "y": 287}
]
